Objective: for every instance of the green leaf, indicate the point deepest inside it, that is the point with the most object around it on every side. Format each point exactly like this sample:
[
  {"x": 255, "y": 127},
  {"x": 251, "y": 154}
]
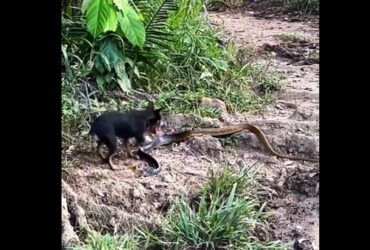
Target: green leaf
[
  {"x": 110, "y": 49},
  {"x": 85, "y": 5},
  {"x": 230, "y": 199},
  {"x": 105, "y": 61},
  {"x": 107, "y": 55},
  {"x": 98, "y": 64},
  {"x": 97, "y": 16},
  {"x": 122, "y": 78},
  {"x": 112, "y": 21},
  {"x": 220, "y": 64},
  {"x": 121, "y": 4},
  {"x": 136, "y": 71},
  {"x": 100, "y": 80},
  {"x": 133, "y": 27},
  {"x": 124, "y": 83}
]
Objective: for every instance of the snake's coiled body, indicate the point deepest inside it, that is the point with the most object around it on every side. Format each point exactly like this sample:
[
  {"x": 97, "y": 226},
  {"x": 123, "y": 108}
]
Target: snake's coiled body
[{"x": 216, "y": 132}]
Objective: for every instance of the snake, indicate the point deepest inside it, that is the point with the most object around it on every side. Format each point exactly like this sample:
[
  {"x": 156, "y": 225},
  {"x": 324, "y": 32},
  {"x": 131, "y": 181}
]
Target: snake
[{"x": 154, "y": 167}]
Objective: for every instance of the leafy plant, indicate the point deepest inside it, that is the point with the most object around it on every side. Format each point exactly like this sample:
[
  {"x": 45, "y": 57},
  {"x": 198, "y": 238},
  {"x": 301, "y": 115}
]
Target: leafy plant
[
  {"x": 124, "y": 35},
  {"x": 114, "y": 15}
]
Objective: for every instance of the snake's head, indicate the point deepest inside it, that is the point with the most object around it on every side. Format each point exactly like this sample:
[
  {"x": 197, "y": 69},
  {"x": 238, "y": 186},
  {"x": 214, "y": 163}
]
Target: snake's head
[{"x": 150, "y": 172}]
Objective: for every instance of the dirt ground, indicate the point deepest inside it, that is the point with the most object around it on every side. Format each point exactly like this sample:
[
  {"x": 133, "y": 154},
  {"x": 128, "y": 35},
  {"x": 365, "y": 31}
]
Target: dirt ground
[{"x": 113, "y": 200}]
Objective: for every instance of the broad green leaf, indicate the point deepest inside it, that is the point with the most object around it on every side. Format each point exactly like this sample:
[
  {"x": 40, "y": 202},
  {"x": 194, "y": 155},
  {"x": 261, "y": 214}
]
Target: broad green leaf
[
  {"x": 137, "y": 10},
  {"x": 112, "y": 21},
  {"x": 121, "y": 4},
  {"x": 122, "y": 78},
  {"x": 133, "y": 27},
  {"x": 124, "y": 83},
  {"x": 119, "y": 30},
  {"x": 97, "y": 16},
  {"x": 105, "y": 61},
  {"x": 85, "y": 5},
  {"x": 110, "y": 49}
]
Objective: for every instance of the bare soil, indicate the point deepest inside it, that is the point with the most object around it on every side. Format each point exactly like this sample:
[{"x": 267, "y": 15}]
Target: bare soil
[{"x": 114, "y": 200}]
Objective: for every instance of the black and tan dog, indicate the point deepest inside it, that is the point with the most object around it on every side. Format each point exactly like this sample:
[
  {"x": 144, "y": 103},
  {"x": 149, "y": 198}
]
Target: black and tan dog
[{"x": 133, "y": 124}]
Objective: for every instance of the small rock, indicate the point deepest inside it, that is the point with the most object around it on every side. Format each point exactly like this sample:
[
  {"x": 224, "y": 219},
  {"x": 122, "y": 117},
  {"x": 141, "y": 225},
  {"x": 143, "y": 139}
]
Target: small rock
[
  {"x": 268, "y": 159},
  {"x": 142, "y": 210},
  {"x": 213, "y": 104},
  {"x": 300, "y": 241},
  {"x": 288, "y": 163},
  {"x": 279, "y": 106},
  {"x": 156, "y": 204},
  {"x": 300, "y": 129},
  {"x": 248, "y": 141},
  {"x": 70, "y": 149},
  {"x": 312, "y": 175},
  {"x": 136, "y": 193},
  {"x": 167, "y": 178},
  {"x": 207, "y": 145},
  {"x": 112, "y": 221},
  {"x": 211, "y": 122},
  {"x": 178, "y": 120}
]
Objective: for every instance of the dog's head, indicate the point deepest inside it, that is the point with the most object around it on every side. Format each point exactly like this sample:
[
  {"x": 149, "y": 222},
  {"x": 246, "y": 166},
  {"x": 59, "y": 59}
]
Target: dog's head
[{"x": 155, "y": 119}]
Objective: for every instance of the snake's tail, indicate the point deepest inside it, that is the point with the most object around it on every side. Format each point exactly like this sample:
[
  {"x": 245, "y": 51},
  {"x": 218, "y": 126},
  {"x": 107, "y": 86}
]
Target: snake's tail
[
  {"x": 268, "y": 147},
  {"x": 111, "y": 164}
]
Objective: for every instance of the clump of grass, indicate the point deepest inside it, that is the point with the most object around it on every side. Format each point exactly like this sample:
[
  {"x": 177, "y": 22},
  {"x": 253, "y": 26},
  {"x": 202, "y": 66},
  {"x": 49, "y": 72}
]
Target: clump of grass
[
  {"x": 97, "y": 241},
  {"x": 247, "y": 89},
  {"x": 223, "y": 182},
  {"x": 224, "y": 218}
]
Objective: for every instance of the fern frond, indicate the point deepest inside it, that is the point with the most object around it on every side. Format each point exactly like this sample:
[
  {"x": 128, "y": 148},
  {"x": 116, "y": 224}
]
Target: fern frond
[{"x": 156, "y": 14}]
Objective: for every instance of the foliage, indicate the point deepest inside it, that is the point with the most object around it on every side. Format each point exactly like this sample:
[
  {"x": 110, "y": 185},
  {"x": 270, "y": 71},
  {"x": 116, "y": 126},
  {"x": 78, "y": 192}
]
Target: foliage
[
  {"x": 306, "y": 6},
  {"x": 224, "y": 217},
  {"x": 180, "y": 58}
]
